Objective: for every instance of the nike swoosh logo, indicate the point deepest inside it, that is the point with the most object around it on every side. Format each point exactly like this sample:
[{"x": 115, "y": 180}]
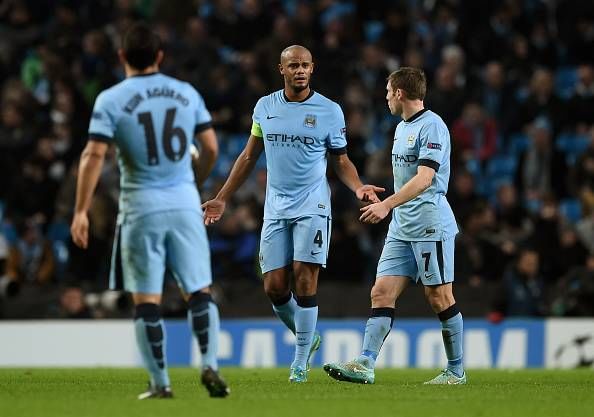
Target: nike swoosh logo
[
  {"x": 271, "y": 117},
  {"x": 315, "y": 253},
  {"x": 429, "y": 276}
]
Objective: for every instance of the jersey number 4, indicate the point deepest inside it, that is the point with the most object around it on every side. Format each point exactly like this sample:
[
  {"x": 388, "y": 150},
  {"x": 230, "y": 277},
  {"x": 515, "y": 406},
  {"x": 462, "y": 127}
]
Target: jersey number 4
[{"x": 169, "y": 132}]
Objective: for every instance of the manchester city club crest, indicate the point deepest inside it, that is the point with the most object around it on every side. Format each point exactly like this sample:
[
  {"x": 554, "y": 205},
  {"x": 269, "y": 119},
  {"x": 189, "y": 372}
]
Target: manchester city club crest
[
  {"x": 310, "y": 121},
  {"x": 410, "y": 141}
]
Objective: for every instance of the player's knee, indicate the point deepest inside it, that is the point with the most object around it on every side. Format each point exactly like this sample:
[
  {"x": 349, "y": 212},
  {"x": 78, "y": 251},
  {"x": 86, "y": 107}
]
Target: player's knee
[
  {"x": 147, "y": 311},
  {"x": 277, "y": 293},
  {"x": 380, "y": 296},
  {"x": 439, "y": 301},
  {"x": 198, "y": 299}
]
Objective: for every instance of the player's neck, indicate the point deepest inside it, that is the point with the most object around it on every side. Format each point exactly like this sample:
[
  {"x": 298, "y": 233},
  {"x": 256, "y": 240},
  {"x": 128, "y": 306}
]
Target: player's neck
[
  {"x": 132, "y": 72},
  {"x": 297, "y": 96},
  {"x": 410, "y": 108}
]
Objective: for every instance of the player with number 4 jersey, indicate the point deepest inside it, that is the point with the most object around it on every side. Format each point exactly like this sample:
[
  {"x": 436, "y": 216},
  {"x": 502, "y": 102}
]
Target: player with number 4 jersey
[
  {"x": 152, "y": 120},
  {"x": 300, "y": 130}
]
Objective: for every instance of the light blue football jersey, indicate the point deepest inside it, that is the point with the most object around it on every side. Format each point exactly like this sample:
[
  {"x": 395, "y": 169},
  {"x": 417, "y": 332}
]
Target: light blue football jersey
[
  {"x": 422, "y": 140},
  {"x": 297, "y": 137},
  {"x": 152, "y": 119}
]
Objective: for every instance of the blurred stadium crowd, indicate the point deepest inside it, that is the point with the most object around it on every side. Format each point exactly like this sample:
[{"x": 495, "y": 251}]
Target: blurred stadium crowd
[{"x": 513, "y": 79}]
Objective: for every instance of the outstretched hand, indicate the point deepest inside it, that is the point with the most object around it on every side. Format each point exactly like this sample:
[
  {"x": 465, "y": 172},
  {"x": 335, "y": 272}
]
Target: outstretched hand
[
  {"x": 374, "y": 213},
  {"x": 213, "y": 211},
  {"x": 367, "y": 193}
]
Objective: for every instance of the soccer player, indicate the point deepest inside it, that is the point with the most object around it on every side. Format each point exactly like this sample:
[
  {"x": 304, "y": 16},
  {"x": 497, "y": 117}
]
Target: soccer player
[
  {"x": 152, "y": 119},
  {"x": 420, "y": 241},
  {"x": 297, "y": 128}
]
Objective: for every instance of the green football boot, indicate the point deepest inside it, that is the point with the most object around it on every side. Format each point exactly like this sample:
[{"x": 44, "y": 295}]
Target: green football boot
[
  {"x": 298, "y": 375},
  {"x": 447, "y": 377},
  {"x": 315, "y": 345},
  {"x": 351, "y": 371}
]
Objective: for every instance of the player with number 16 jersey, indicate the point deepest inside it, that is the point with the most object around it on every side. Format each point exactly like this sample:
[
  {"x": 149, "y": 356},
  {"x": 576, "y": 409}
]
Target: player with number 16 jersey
[
  {"x": 133, "y": 115},
  {"x": 152, "y": 120}
]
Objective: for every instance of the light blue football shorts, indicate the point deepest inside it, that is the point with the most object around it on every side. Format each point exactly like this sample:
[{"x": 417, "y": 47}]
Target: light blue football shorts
[
  {"x": 304, "y": 239},
  {"x": 430, "y": 262},
  {"x": 149, "y": 245}
]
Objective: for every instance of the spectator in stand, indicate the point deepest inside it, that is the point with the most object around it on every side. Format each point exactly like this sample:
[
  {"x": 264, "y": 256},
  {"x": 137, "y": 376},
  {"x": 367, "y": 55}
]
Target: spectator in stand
[
  {"x": 513, "y": 220},
  {"x": 30, "y": 260},
  {"x": 583, "y": 176},
  {"x": 446, "y": 98},
  {"x": 475, "y": 133},
  {"x": 581, "y": 103},
  {"x": 462, "y": 196},
  {"x": 541, "y": 170},
  {"x": 571, "y": 252},
  {"x": 522, "y": 292},
  {"x": 575, "y": 291},
  {"x": 541, "y": 103},
  {"x": 73, "y": 305},
  {"x": 494, "y": 93}
]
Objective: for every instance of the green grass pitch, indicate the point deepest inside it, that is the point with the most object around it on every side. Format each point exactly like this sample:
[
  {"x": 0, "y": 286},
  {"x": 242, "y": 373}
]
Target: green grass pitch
[{"x": 109, "y": 392}]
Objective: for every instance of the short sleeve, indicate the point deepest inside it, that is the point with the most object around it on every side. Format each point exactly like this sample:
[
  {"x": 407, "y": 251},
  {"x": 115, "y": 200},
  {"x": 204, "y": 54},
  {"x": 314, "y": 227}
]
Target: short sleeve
[
  {"x": 336, "y": 141},
  {"x": 202, "y": 116},
  {"x": 102, "y": 126},
  {"x": 433, "y": 142},
  {"x": 258, "y": 111}
]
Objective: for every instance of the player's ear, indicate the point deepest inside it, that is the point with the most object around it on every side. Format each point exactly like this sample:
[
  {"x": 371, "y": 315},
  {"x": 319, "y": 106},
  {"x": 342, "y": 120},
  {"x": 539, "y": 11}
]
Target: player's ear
[
  {"x": 122, "y": 56},
  {"x": 312, "y": 67},
  {"x": 160, "y": 56},
  {"x": 281, "y": 69}
]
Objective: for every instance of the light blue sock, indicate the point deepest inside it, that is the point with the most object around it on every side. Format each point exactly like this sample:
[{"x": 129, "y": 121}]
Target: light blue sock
[
  {"x": 150, "y": 338},
  {"x": 452, "y": 331},
  {"x": 305, "y": 326},
  {"x": 286, "y": 312},
  {"x": 204, "y": 320},
  {"x": 376, "y": 330}
]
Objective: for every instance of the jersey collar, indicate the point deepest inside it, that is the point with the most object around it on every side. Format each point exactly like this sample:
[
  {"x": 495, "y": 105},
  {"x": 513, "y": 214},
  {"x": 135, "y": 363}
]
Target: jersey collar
[
  {"x": 145, "y": 75},
  {"x": 416, "y": 116},
  {"x": 311, "y": 93}
]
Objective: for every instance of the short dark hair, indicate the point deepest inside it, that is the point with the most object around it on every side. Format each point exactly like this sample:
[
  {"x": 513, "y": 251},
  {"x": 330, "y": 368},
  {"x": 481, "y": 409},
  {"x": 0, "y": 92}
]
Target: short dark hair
[
  {"x": 410, "y": 80},
  {"x": 141, "y": 46}
]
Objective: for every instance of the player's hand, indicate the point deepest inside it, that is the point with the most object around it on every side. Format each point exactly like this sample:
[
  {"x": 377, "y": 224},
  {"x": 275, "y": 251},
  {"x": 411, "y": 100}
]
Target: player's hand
[
  {"x": 213, "y": 210},
  {"x": 374, "y": 213},
  {"x": 367, "y": 193},
  {"x": 80, "y": 230}
]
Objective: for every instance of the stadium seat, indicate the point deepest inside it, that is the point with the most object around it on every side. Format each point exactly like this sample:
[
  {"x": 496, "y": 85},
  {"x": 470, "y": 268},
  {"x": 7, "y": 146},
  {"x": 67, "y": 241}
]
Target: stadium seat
[
  {"x": 373, "y": 30},
  {"x": 234, "y": 145},
  {"x": 571, "y": 209},
  {"x": 518, "y": 143},
  {"x": 58, "y": 231},
  {"x": 565, "y": 80},
  {"x": 502, "y": 166},
  {"x": 572, "y": 145}
]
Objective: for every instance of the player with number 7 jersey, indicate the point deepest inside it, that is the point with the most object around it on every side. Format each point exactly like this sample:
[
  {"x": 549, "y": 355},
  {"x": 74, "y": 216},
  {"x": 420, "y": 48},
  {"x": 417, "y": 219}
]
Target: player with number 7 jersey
[{"x": 152, "y": 120}]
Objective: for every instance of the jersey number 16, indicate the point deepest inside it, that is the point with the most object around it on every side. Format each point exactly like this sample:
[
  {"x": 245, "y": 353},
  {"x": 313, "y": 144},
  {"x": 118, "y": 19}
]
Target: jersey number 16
[{"x": 169, "y": 132}]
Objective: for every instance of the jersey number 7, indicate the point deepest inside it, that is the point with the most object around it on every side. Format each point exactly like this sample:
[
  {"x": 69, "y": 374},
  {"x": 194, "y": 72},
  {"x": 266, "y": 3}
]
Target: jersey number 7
[{"x": 169, "y": 132}]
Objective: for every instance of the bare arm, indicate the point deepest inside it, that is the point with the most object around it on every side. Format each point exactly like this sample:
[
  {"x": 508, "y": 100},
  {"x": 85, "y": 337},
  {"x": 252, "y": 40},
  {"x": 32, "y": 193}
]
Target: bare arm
[
  {"x": 374, "y": 213},
  {"x": 243, "y": 166},
  {"x": 413, "y": 188},
  {"x": 209, "y": 150},
  {"x": 347, "y": 173},
  {"x": 89, "y": 170}
]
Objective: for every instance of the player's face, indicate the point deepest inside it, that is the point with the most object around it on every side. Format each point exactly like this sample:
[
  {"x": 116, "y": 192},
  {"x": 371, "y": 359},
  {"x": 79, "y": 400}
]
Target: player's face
[
  {"x": 296, "y": 69},
  {"x": 393, "y": 103}
]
